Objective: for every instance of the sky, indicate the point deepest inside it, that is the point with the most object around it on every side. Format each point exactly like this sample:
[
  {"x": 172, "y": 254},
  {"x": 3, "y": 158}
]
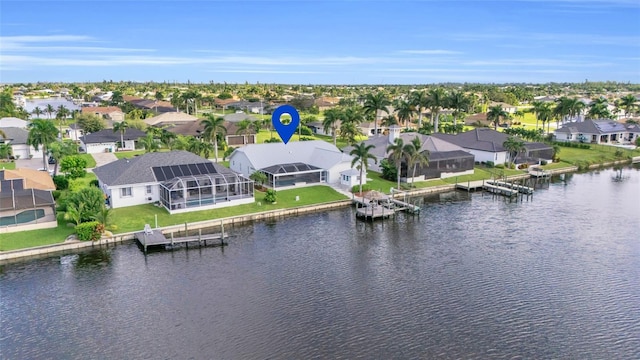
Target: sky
[{"x": 320, "y": 42}]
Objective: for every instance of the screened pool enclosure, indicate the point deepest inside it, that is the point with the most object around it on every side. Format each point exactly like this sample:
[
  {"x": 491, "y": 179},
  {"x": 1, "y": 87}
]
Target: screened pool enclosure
[
  {"x": 200, "y": 185},
  {"x": 292, "y": 174}
]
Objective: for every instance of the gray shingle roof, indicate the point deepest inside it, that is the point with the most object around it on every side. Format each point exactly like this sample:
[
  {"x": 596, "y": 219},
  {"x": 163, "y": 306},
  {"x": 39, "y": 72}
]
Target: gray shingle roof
[
  {"x": 138, "y": 169},
  {"x": 16, "y": 135},
  {"x": 430, "y": 143},
  {"x": 484, "y": 139},
  {"x": 108, "y": 135},
  {"x": 602, "y": 126}
]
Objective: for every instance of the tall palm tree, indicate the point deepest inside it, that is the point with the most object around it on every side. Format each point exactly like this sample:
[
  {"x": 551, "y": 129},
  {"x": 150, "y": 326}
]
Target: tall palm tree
[
  {"x": 495, "y": 113},
  {"x": 419, "y": 101},
  {"x": 536, "y": 110},
  {"x": 331, "y": 119},
  {"x": 61, "y": 114},
  {"x": 598, "y": 109},
  {"x": 514, "y": 146},
  {"x": 167, "y": 138},
  {"x": 436, "y": 100},
  {"x": 361, "y": 155},
  {"x": 459, "y": 103},
  {"x": 374, "y": 103},
  {"x": 212, "y": 127},
  {"x": 397, "y": 152},
  {"x": 415, "y": 157},
  {"x": 49, "y": 110},
  {"x": 629, "y": 103},
  {"x": 121, "y": 127},
  {"x": 389, "y": 120},
  {"x": 405, "y": 111},
  {"x": 352, "y": 117},
  {"x": 42, "y": 133},
  {"x": 37, "y": 112},
  {"x": 149, "y": 143},
  {"x": 545, "y": 114}
]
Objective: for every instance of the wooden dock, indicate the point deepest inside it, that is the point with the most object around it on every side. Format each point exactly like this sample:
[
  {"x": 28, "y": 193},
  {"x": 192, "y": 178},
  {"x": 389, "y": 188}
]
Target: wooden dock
[
  {"x": 374, "y": 212},
  {"x": 500, "y": 190},
  {"x": 471, "y": 185},
  {"x": 520, "y": 188},
  {"x": 539, "y": 173},
  {"x": 149, "y": 237}
]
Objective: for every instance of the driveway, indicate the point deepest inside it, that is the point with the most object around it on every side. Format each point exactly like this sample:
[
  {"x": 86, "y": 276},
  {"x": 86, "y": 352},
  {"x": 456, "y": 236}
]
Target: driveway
[
  {"x": 31, "y": 164},
  {"x": 104, "y": 158}
]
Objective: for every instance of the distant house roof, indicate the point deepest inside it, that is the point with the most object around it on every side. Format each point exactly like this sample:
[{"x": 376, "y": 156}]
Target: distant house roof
[
  {"x": 16, "y": 136},
  {"x": 100, "y": 110},
  {"x": 108, "y": 136},
  {"x": 195, "y": 128},
  {"x": 429, "y": 143},
  {"x": 484, "y": 139},
  {"x": 601, "y": 126},
  {"x": 237, "y": 117},
  {"x": 170, "y": 118},
  {"x": 149, "y": 104},
  {"x": 317, "y": 153},
  {"x": 33, "y": 179},
  {"x": 13, "y": 122},
  {"x": 139, "y": 169}
]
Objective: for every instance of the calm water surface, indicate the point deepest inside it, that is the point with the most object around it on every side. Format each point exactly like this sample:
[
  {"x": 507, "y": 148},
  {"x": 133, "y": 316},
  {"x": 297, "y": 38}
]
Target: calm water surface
[{"x": 471, "y": 277}]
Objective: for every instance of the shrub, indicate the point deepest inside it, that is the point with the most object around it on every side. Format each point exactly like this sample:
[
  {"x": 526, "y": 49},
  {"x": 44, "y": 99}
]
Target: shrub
[
  {"x": 228, "y": 152},
  {"x": 356, "y": 188},
  {"x": 74, "y": 166},
  {"x": 523, "y": 166},
  {"x": 490, "y": 164},
  {"x": 88, "y": 201},
  {"x": 638, "y": 141},
  {"x": 543, "y": 162},
  {"x": 500, "y": 166},
  {"x": 56, "y": 194},
  {"x": 618, "y": 153},
  {"x": 273, "y": 140},
  {"x": 94, "y": 183},
  {"x": 61, "y": 182},
  {"x": 90, "y": 230},
  {"x": 270, "y": 196},
  {"x": 305, "y": 130},
  {"x": 389, "y": 171}
]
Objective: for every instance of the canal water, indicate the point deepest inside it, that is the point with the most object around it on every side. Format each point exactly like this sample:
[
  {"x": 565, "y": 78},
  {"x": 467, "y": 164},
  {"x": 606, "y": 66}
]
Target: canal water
[{"x": 472, "y": 277}]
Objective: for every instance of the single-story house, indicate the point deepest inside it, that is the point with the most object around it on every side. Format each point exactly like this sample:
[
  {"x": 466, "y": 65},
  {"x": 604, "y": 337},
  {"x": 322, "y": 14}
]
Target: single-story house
[
  {"x": 13, "y": 122},
  {"x": 296, "y": 163},
  {"x": 506, "y": 107},
  {"x": 195, "y": 128},
  {"x": 112, "y": 113},
  {"x": 318, "y": 128},
  {"x": 107, "y": 140},
  {"x": 178, "y": 180},
  {"x": 325, "y": 102},
  {"x": 601, "y": 131},
  {"x": 26, "y": 200},
  {"x": 17, "y": 138},
  {"x": 158, "y": 106},
  {"x": 75, "y": 132},
  {"x": 254, "y": 107},
  {"x": 445, "y": 159},
  {"x": 170, "y": 118},
  {"x": 237, "y": 117},
  {"x": 487, "y": 145}
]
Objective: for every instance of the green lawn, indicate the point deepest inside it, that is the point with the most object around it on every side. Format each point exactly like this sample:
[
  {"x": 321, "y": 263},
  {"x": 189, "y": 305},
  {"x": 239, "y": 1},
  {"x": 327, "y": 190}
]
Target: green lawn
[
  {"x": 596, "y": 154},
  {"x": 8, "y": 165},
  {"x": 128, "y": 154},
  {"x": 134, "y": 218},
  {"x": 91, "y": 162},
  {"x": 33, "y": 238}
]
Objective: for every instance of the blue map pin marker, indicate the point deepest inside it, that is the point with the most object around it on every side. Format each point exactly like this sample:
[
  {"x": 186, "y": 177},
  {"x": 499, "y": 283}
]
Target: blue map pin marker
[{"x": 285, "y": 131}]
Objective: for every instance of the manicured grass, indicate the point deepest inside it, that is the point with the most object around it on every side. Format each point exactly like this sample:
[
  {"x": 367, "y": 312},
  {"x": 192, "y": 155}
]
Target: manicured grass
[
  {"x": 134, "y": 218},
  {"x": 33, "y": 238},
  {"x": 128, "y": 154},
  {"x": 596, "y": 154},
  {"x": 91, "y": 162},
  {"x": 556, "y": 165},
  {"x": 7, "y": 165},
  {"x": 377, "y": 183}
]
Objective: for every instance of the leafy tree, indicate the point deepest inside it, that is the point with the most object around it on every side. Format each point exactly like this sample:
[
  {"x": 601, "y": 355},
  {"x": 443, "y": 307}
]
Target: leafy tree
[
  {"x": 42, "y": 133},
  {"x": 5, "y": 150},
  {"x": 87, "y": 202},
  {"x": 373, "y": 103},
  {"x": 49, "y": 110},
  {"x": 349, "y": 128},
  {"x": 389, "y": 170},
  {"x": 361, "y": 155},
  {"x": 459, "y": 103},
  {"x": 105, "y": 217},
  {"x": 494, "y": 115},
  {"x": 74, "y": 166},
  {"x": 7, "y": 107},
  {"x": 121, "y": 127},
  {"x": 258, "y": 177},
  {"x": 598, "y": 109},
  {"x": 61, "y": 148},
  {"x": 90, "y": 123},
  {"x": 271, "y": 196},
  {"x": 212, "y": 127},
  {"x": 397, "y": 152},
  {"x": 149, "y": 143}
]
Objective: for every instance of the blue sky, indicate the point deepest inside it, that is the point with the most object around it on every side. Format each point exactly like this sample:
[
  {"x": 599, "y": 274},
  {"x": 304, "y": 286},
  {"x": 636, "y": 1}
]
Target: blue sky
[{"x": 321, "y": 42}]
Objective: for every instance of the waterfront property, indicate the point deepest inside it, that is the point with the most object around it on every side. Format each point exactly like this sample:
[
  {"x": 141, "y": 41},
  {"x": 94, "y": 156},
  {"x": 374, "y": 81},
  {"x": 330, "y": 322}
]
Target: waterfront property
[
  {"x": 107, "y": 140},
  {"x": 26, "y": 200},
  {"x": 297, "y": 163},
  {"x": 179, "y": 181},
  {"x": 487, "y": 146},
  {"x": 17, "y": 139},
  {"x": 6, "y": 122},
  {"x": 598, "y": 132},
  {"x": 170, "y": 118},
  {"x": 233, "y": 136},
  {"x": 110, "y": 113},
  {"x": 445, "y": 159}
]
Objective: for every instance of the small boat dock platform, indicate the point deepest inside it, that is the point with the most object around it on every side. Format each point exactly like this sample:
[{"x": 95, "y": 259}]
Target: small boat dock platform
[
  {"x": 537, "y": 172},
  {"x": 153, "y": 237},
  {"x": 500, "y": 190},
  {"x": 471, "y": 185},
  {"x": 520, "y": 188},
  {"x": 376, "y": 205}
]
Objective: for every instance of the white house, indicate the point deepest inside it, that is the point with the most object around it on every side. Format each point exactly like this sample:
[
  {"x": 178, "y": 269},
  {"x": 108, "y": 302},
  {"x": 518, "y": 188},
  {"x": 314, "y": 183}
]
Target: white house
[
  {"x": 297, "y": 163},
  {"x": 17, "y": 138},
  {"x": 107, "y": 140},
  {"x": 178, "y": 180},
  {"x": 601, "y": 131},
  {"x": 13, "y": 122}
]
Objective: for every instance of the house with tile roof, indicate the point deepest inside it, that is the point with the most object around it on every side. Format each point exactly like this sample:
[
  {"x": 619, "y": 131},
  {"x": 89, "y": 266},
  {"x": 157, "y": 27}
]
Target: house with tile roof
[
  {"x": 487, "y": 145},
  {"x": 179, "y": 181},
  {"x": 602, "y": 131},
  {"x": 17, "y": 139},
  {"x": 13, "y": 122},
  {"x": 445, "y": 159},
  {"x": 111, "y": 113},
  {"x": 297, "y": 163},
  {"x": 232, "y": 137},
  {"x": 170, "y": 118},
  {"x": 107, "y": 140},
  {"x": 26, "y": 200}
]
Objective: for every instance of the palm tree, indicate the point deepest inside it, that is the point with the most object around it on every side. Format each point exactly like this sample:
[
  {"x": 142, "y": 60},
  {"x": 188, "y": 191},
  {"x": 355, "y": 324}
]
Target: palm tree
[
  {"x": 49, "y": 110},
  {"x": 122, "y": 127},
  {"x": 536, "y": 110},
  {"x": 331, "y": 119},
  {"x": 514, "y": 146},
  {"x": 60, "y": 149},
  {"x": 167, "y": 138},
  {"x": 415, "y": 157},
  {"x": 5, "y": 150},
  {"x": 495, "y": 113},
  {"x": 459, "y": 103},
  {"x": 389, "y": 120},
  {"x": 61, "y": 114},
  {"x": 436, "y": 100},
  {"x": 361, "y": 154},
  {"x": 598, "y": 109},
  {"x": 545, "y": 114},
  {"x": 374, "y": 103},
  {"x": 419, "y": 101},
  {"x": 397, "y": 152},
  {"x": 629, "y": 103},
  {"x": 212, "y": 127},
  {"x": 37, "y": 112},
  {"x": 42, "y": 133},
  {"x": 405, "y": 111},
  {"x": 194, "y": 145},
  {"x": 149, "y": 143}
]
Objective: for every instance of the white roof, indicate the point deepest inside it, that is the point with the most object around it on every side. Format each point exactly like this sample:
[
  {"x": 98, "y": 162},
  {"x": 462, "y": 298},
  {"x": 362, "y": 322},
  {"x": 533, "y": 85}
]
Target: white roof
[
  {"x": 316, "y": 153},
  {"x": 170, "y": 118},
  {"x": 13, "y": 122}
]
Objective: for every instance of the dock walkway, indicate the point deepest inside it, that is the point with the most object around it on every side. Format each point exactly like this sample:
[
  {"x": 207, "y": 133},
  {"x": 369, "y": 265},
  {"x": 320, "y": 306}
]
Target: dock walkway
[{"x": 150, "y": 237}]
